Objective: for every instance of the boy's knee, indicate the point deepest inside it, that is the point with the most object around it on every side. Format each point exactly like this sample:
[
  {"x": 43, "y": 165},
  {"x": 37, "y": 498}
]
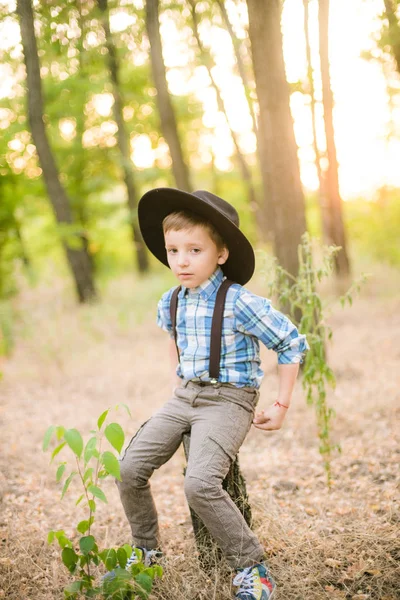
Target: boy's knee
[
  {"x": 198, "y": 489},
  {"x": 133, "y": 474}
]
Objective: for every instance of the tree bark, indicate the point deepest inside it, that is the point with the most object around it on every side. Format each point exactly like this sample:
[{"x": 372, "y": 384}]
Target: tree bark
[
  {"x": 394, "y": 30},
  {"x": 78, "y": 259},
  {"x": 280, "y": 169},
  {"x": 337, "y": 232},
  {"x": 235, "y": 484},
  {"x": 325, "y": 225},
  {"x": 165, "y": 108},
  {"x": 123, "y": 142}
]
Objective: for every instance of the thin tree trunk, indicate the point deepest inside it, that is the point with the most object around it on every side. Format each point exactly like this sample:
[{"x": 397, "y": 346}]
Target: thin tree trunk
[
  {"x": 78, "y": 201},
  {"x": 394, "y": 30},
  {"x": 123, "y": 142},
  {"x": 281, "y": 173},
  {"x": 325, "y": 226},
  {"x": 165, "y": 108},
  {"x": 78, "y": 259},
  {"x": 235, "y": 484},
  {"x": 337, "y": 232},
  {"x": 239, "y": 61},
  {"x": 208, "y": 63}
]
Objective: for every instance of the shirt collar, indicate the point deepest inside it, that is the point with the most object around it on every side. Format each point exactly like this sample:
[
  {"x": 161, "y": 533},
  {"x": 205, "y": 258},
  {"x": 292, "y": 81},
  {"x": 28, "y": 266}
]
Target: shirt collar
[{"x": 206, "y": 289}]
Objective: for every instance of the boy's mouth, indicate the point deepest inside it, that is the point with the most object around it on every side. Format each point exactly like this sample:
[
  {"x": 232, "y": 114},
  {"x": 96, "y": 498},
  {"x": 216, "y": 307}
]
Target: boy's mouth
[{"x": 185, "y": 274}]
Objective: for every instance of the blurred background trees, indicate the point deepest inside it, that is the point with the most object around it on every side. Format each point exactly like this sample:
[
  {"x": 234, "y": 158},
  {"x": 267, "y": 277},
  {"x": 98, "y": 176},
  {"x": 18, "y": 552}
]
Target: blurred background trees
[{"x": 104, "y": 99}]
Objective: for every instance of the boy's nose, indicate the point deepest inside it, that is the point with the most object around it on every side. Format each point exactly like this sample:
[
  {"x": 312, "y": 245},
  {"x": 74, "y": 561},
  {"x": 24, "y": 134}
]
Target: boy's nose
[{"x": 182, "y": 260}]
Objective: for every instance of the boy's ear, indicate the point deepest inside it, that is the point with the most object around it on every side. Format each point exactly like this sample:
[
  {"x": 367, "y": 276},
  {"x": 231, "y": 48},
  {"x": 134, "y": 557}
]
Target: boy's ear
[{"x": 223, "y": 256}]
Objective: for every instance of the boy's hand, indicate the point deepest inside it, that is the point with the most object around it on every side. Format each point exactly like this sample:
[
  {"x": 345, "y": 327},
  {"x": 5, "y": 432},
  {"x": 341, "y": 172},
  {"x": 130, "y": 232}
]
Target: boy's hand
[{"x": 271, "y": 418}]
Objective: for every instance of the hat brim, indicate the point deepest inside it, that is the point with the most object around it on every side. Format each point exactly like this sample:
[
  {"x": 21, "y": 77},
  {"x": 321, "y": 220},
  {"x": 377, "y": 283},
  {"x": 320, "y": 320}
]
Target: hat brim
[{"x": 156, "y": 204}]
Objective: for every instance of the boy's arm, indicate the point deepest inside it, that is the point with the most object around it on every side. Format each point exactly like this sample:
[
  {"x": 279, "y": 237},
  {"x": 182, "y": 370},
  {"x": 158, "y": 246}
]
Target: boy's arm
[
  {"x": 173, "y": 361},
  {"x": 272, "y": 418}
]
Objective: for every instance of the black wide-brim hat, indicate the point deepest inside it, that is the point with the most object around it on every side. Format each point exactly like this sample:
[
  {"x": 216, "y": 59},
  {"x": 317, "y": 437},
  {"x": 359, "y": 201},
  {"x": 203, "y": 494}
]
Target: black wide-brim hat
[{"x": 156, "y": 204}]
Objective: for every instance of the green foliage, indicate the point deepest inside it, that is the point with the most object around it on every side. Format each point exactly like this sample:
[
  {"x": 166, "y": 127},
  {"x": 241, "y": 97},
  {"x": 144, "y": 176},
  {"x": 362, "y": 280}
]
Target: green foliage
[
  {"x": 305, "y": 305},
  {"x": 375, "y": 226},
  {"x": 82, "y": 557}
]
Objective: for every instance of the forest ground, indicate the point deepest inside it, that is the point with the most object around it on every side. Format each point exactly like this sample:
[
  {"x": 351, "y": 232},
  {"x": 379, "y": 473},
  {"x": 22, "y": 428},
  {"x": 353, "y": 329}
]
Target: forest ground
[{"x": 72, "y": 363}]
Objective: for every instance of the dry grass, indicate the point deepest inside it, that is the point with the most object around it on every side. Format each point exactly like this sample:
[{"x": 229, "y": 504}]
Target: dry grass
[{"x": 71, "y": 363}]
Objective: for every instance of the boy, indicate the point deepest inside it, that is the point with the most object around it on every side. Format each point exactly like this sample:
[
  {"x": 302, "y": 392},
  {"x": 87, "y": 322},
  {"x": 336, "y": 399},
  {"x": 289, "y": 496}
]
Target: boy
[{"x": 197, "y": 235}]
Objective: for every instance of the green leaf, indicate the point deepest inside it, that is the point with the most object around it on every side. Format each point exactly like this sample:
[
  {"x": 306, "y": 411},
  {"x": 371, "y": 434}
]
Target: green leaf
[
  {"x": 62, "y": 539},
  {"x": 92, "y": 505},
  {"x": 60, "y": 472},
  {"x": 47, "y": 437},
  {"x": 126, "y": 407},
  {"x": 57, "y": 450},
  {"x": 122, "y": 557},
  {"x": 109, "y": 558},
  {"x": 69, "y": 558},
  {"x": 90, "y": 449},
  {"x": 88, "y": 474},
  {"x": 102, "y": 418},
  {"x": 74, "y": 587},
  {"x": 74, "y": 441},
  {"x": 50, "y": 537},
  {"x": 60, "y": 430},
  {"x": 81, "y": 497},
  {"x": 86, "y": 544},
  {"x": 66, "y": 484},
  {"x": 146, "y": 583},
  {"x": 97, "y": 492},
  {"x": 83, "y": 526},
  {"x": 115, "y": 436},
  {"x": 111, "y": 464}
]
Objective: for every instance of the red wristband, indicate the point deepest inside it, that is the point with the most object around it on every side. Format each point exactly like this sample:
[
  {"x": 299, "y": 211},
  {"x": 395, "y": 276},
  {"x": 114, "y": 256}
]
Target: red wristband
[{"x": 279, "y": 404}]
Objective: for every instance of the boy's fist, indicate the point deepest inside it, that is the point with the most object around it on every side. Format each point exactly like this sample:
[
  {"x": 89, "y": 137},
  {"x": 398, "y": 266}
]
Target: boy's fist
[{"x": 270, "y": 419}]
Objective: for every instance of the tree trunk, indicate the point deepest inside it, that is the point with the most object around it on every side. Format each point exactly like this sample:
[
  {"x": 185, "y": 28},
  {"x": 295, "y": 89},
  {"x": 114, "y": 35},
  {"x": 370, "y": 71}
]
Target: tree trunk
[
  {"x": 325, "y": 225},
  {"x": 78, "y": 259},
  {"x": 239, "y": 62},
  {"x": 337, "y": 232},
  {"x": 167, "y": 115},
  {"x": 394, "y": 30},
  {"x": 281, "y": 173},
  {"x": 234, "y": 483},
  {"x": 123, "y": 142},
  {"x": 208, "y": 63}
]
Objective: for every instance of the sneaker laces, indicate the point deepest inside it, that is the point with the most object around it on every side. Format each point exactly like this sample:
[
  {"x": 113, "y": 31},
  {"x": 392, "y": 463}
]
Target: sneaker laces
[{"x": 245, "y": 579}]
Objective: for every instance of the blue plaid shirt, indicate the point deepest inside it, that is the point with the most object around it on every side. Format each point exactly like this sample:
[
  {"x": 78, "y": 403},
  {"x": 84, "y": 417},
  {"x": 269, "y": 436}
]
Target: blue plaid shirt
[{"x": 248, "y": 319}]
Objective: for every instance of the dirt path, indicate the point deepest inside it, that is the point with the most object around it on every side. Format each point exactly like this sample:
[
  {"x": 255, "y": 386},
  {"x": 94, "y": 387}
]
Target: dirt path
[{"x": 72, "y": 364}]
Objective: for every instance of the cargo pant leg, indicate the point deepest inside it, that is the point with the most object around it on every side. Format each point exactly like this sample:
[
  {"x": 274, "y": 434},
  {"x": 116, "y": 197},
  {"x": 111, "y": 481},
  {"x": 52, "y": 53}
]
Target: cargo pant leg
[
  {"x": 152, "y": 446},
  {"x": 216, "y": 437}
]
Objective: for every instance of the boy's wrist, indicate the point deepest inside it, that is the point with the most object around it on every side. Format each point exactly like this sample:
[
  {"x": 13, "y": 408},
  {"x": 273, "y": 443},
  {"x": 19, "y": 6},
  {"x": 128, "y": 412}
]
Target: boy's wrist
[{"x": 280, "y": 404}]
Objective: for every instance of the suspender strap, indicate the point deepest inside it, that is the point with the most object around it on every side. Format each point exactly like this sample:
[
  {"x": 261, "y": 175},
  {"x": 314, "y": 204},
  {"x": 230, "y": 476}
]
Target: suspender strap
[
  {"x": 216, "y": 326},
  {"x": 216, "y": 330},
  {"x": 173, "y": 307}
]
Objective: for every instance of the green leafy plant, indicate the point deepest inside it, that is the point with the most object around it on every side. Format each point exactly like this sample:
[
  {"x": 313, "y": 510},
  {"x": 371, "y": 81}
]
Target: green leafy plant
[
  {"x": 301, "y": 299},
  {"x": 81, "y": 557}
]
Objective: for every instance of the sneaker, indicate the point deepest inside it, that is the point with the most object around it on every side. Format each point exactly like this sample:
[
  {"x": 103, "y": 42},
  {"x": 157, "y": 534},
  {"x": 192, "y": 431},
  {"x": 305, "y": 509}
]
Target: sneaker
[
  {"x": 254, "y": 583},
  {"x": 142, "y": 555},
  {"x": 139, "y": 555}
]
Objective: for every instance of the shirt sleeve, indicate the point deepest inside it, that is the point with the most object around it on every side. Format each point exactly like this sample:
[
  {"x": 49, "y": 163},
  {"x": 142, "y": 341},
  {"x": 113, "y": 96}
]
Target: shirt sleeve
[
  {"x": 163, "y": 313},
  {"x": 256, "y": 316}
]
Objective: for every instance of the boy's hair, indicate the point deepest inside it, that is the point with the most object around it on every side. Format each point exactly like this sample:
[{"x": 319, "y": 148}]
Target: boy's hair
[{"x": 185, "y": 219}]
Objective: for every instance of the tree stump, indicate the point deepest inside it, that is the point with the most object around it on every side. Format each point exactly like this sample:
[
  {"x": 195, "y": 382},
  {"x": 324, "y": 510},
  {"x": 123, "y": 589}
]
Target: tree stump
[{"x": 235, "y": 484}]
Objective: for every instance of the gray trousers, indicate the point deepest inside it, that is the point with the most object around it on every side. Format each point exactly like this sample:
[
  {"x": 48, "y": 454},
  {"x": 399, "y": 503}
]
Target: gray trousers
[{"x": 218, "y": 418}]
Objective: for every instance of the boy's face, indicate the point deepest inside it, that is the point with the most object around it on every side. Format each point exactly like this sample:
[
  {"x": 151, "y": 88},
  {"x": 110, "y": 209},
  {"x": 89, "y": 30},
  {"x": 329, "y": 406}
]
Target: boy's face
[{"x": 192, "y": 255}]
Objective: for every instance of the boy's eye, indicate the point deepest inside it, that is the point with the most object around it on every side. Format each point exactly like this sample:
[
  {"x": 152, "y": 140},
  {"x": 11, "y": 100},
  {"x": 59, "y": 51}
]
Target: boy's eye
[
  {"x": 196, "y": 250},
  {"x": 171, "y": 250}
]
